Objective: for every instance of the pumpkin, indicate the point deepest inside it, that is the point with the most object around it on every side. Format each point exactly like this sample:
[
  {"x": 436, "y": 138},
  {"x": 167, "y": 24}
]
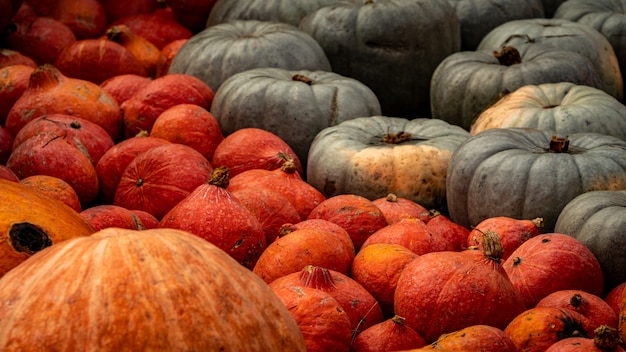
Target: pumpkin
[
  {"x": 295, "y": 105},
  {"x": 536, "y": 329},
  {"x": 478, "y": 17},
  {"x": 13, "y": 82},
  {"x": 86, "y": 18},
  {"x": 10, "y": 57},
  {"x": 253, "y": 148},
  {"x": 7, "y": 174},
  {"x": 397, "y": 208},
  {"x": 472, "y": 285},
  {"x": 320, "y": 317},
  {"x": 377, "y": 155},
  {"x": 552, "y": 262},
  {"x": 53, "y": 187},
  {"x": 9, "y": 9},
  {"x": 189, "y": 124},
  {"x": 290, "y": 12},
  {"x": 566, "y": 35},
  {"x": 468, "y": 82},
  {"x": 357, "y": 215},
  {"x": 604, "y": 339},
  {"x": 375, "y": 42},
  {"x": 46, "y": 154},
  {"x": 160, "y": 289},
  {"x": 223, "y": 50},
  {"x": 319, "y": 224},
  {"x": 121, "y": 87},
  {"x": 512, "y": 232},
  {"x": 109, "y": 215},
  {"x": 148, "y": 220},
  {"x": 377, "y": 267},
  {"x": 411, "y": 233},
  {"x": 604, "y": 16},
  {"x": 479, "y": 337},
  {"x": 563, "y": 108},
  {"x": 6, "y": 145},
  {"x": 116, "y": 9},
  {"x": 50, "y": 91},
  {"x": 596, "y": 309},
  {"x": 597, "y": 219},
  {"x": 98, "y": 59},
  {"x": 442, "y": 226},
  {"x": 32, "y": 221},
  {"x": 529, "y": 173},
  {"x": 361, "y": 307},
  {"x": 614, "y": 297},
  {"x": 156, "y": 180},
  {"x": 191, "y": 13},
  {"x": 167, "y": 55},
  {"x": 389, "y": 335},
  {"x": 147, "y": 53}
]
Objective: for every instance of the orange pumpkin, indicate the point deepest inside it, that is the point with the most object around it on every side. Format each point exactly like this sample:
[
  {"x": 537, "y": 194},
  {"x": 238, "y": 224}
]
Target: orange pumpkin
[
  {"x": 484, "y": 338},
  {"x": 389, "y": 335},
  {"x": 152, "y": 290},
  {"x": 147, "y": 53},
  {"x": 54, "y": 187},
  {"x": 31, "y": 221}
]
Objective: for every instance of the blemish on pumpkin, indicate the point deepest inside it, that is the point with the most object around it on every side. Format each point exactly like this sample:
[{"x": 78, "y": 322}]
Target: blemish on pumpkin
[
  {"x": 329, "y": 187},
  {"x": 139, "y": 182},
  {"x": 237, "y": 244},
  {"x": 28, "y": 238}
]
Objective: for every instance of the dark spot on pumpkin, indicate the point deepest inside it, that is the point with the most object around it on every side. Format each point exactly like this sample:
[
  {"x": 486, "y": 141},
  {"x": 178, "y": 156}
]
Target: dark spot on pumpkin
[
  {"x": 329, "y": 187},
  {"x": 139, "y": 182},
  {"x": 545, "y": 240},
  {"x": 28, "y": 238},
  {"x": 517, "y": 261}
]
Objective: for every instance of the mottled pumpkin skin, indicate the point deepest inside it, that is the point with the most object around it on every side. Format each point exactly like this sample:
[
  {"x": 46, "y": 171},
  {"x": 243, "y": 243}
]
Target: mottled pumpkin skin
[
  {"x": 564, "y": 108},
  {"x": 159, "y": 289},
  {"x": 468, "y": 82},
  {"x": 392, "y": 46},
  {"x": 512, "y": 172},
  {"x": 598, "y": 219},
  {"x": 225, "y": 49},
  {"x": 475, "y": 338},
  {"x": 285, "y": 11},
  {"x": 389, "y": 335},
  {"x": 31, "y": 221},
  {"x": 295, "y": 105},
  {"x": 563, "y": 34},
  {"x": 377, "y": 155}
]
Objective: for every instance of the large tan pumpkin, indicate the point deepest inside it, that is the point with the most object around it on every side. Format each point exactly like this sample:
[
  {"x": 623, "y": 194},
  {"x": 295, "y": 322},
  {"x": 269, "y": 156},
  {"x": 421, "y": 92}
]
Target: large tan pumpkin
[
  {"x": 31, "y": 221},
  {"x": 151, "y": 290}
]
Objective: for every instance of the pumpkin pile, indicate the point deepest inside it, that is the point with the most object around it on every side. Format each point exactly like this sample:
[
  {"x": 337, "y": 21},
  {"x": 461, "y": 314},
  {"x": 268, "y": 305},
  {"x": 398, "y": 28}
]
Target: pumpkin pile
[{"x": 328, "y": 175}]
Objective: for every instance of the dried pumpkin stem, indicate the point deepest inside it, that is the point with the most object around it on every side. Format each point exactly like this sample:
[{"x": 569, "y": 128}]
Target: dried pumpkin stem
[
  {"x": 508, "y": 56},
  {"x": 396, "y": 138},
  {"x": 302, "y": 78},
  {"x": 220, "y": 177},
  {"x": 492, "y": 246},
  {"x": 558, "y": 145}
]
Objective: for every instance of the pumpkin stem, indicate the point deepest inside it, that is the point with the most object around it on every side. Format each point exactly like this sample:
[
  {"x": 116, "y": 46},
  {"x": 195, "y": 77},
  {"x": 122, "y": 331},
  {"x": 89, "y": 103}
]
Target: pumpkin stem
[
  {"x": 576, "y": 300},
  {"x": 220, "y": 177},
  {"x": 558, "y": 145},
  {"x": 508, "y": 56},
  {"x": 396, "y": 138},
  {"x": 433, "y": 213},
  {"x": 142, "y": 133},
  {"x": 606, "y": 338},
  {"x": 45, "y": 77},
  {"x": 492, "y": 246},
  {"x": 398, "y": 319},
  {"x": 114, "y": 33},
  {"x": 538, "y": 222},
  {"x": 392, "y": 197},
  {"x": 289, "y": 166},
  {"x": 75, "y": 124},
  {"x": 302, "y": 78},
  {"x": 286, "y": 229},
  {"x": 317, "y": 277}
]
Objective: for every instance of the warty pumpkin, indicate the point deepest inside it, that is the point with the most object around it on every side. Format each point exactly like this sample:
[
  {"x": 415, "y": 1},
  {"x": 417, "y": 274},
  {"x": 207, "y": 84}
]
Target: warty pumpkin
[
  {"x": 293, "y": 104},
  {"x": 225, "y": 49},
  {"x": 377, "y": 155},
  {"x": 526, "y": 173},
  {"x": 563, "y": 107},
  {"x": 126, "y": 290},
  {"x": 598, "y": 220},
  {"x": 31, "y": 221}
]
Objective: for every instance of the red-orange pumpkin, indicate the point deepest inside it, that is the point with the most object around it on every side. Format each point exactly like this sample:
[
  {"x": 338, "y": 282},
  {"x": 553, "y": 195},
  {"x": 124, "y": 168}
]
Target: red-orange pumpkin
[
  {"x": 513, "y": 232},
  {"x": 389, "y": 335},
  {"x": 484, "y": 338}
]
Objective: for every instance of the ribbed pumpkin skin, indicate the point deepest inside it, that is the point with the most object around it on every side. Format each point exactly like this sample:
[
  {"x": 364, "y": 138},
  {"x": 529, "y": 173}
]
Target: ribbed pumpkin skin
[
  {"x": 598, "y": 220},
  {"x": 511, "y": 172},
  {"x": 563, "y": 34},
  {"x": 353, "y": 158},
  {"x": 225, "y": 49},
  {"x": 286, "y": 11},
  {"x": 482, "y": 338},
  {"x": 607, "y": 17},
  {"x": 392, "y": 46},
  {"x": 466, "y": 83},
  {"x": 562, "y": 107},
  {"x": 153, "y": 290},
  {"x": 30, "y": 221},
  {"x": 285, "y": 103}
]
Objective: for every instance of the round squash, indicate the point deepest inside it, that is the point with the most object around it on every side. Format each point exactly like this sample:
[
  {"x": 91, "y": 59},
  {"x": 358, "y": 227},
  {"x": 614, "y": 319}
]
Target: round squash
[
  {"x": 158, "y": 289},
  {"x": 598, "y": 220},
  {"x": 220, "y": 51},
  {"x": 392, "y": 46},
  {"x": 377, "y": 155},
  {"x": 30, "y": 222},
  {"x": 468, "y": 82},
  {"x": 529, "y": 173},
  {"x": 294, "y": 105},
  {"x": 563, "y": 107},
  {"x": 566, "y": 35}
]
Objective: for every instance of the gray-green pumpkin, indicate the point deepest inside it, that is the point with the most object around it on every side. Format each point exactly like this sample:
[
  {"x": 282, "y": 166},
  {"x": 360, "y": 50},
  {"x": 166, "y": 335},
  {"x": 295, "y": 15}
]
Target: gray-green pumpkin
[
  {"x": 377, "y": 155},
  {"x": 468, "y": 82},
  {"x": 527, "y": 173},
  {"x": 222, "y": 50},
  {"x": 598, "y": 220},
  {"x": 294, "y": 105},
  {"x": 392, "y": 46}
]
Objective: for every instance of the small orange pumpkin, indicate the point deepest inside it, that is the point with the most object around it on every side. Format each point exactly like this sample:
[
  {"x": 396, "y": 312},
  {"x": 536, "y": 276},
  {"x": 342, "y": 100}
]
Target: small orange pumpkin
[{"x": 146, "y": 52}]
